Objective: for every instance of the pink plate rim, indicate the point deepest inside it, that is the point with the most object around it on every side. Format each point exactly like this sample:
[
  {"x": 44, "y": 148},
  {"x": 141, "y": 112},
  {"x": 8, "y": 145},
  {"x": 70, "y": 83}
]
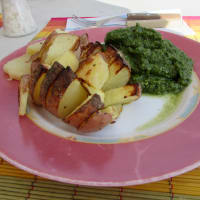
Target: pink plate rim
[{"x": 145, "y": 161}]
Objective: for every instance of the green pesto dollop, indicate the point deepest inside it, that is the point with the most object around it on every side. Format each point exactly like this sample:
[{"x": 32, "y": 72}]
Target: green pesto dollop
[
  {"x": 158, "y": 65},
  {"x": 171, "y": 103}
]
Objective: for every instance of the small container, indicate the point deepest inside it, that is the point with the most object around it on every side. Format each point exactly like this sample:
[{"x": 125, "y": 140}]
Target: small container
[{"x": 17, "y": 18}]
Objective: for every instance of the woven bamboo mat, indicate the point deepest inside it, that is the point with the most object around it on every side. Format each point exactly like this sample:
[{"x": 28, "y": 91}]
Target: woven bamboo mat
[{"x": 16, "y": 184}]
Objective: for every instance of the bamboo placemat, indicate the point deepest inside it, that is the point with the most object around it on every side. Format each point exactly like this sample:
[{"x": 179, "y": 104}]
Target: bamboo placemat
[{"x": 16, "y": 184}]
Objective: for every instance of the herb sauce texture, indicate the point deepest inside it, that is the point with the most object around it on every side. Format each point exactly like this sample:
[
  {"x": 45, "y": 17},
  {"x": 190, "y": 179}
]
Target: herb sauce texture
[{"x": 156, "y": 63}]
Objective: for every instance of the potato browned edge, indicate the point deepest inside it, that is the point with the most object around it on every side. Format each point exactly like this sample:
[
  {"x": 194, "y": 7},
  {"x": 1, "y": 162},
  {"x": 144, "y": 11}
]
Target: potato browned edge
[
  {"x": 83, "y": 112},
  {"x": 50, "y": 77},
  {"x": 122, "y": 95},
  {"x": 58, "y": 88},
  {"x": 89, "y": 50},
  {"x": 110, "y": 54},
  {"x": 36, "y": 70}
]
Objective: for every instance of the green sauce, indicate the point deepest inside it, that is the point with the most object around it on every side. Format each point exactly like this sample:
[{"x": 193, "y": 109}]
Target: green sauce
[
  {"x": 156, "y": 64},
  {"x": 172, "y": 102}
]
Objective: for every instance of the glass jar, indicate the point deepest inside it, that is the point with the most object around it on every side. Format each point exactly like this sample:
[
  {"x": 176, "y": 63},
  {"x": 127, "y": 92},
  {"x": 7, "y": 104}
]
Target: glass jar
[{"x": 17, "y": 18}]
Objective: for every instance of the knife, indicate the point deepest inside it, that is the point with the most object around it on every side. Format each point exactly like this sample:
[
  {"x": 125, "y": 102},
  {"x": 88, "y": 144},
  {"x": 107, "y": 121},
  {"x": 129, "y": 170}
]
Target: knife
[{"x": 133, "y": 18}]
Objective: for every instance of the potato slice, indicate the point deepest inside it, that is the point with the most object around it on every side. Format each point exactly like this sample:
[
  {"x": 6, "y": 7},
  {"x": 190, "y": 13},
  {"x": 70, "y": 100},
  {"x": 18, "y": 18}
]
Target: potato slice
[
  {"x": 34, "y": 48},
  {"x": 68, "y": 59},
  {"x": 100, "y": 119},
  {"x": 18, "y": 67},
  {"x": 83, "y": 111},
  {"x": 57, "y": 90},
  {"x": 94, "y": 70},
  {"x": 74, "y": 95},
  {"x": 56, "y": 44},
  {"x": 122, "y": 95},
  {"x": 119, "y": 74},
  {"x": 50, "y": 77},
  {"x": 23, "y": 93}
]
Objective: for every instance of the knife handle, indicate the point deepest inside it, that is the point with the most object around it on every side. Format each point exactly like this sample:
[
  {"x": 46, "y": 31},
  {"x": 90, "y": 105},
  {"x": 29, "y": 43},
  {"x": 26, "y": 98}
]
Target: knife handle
[{"x": 152, "y": 16}]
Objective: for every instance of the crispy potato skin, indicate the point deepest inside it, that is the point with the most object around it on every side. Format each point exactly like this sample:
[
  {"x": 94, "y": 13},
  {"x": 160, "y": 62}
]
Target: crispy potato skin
[
  {"x": 58, "y": 88},
  {"x": 36, "y": 70},
  {"x": 100, "y": 119},
  {"x": 84, "y": 112},
  {"x": 51, "y": 76},
  {"x": 96, "y": 122}
]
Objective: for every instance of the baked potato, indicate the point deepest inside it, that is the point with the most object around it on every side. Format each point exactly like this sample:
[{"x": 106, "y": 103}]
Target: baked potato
[{"x": 81, "y": 83}]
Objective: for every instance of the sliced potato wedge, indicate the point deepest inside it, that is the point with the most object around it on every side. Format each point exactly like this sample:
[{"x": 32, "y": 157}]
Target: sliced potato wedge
[
  {"x": 23, "y": 93},
  {"x": 68, "y": 59},
  {"x": 56, "y": 44},
  {"x": 57, "y": 90},
  {"x": 83, "y": 111},
  {"x": 119, "y": 74},
  {"x": 74, "y": 95},
  {"x": 18, "y": 67},
  {"x": 50, "y": 77},
  {"x": 94, "y": 71},
  {"x": 100, "y": 119},
  {"x": 122, "y": 95}
]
